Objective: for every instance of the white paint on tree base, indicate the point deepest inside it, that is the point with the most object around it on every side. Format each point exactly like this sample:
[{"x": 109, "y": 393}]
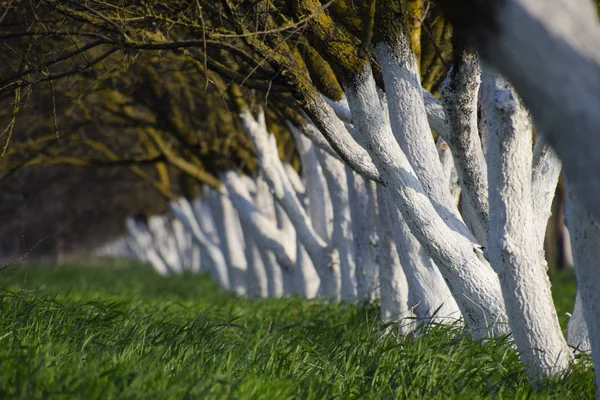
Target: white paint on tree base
[
  {"x": 511, "y": 246},
  {"x": 585, "y": 240},
  {"x": 471, "y": 280}
]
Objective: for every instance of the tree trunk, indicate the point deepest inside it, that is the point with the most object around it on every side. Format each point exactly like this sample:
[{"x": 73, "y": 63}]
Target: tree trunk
[
  {"x": 231, "y": 239},
  {"x": 257, "y": 283},
  {"x": 585, "y": 237},
  {"x": 512, "y": 248},
  {"x": 363, "y": 200},
  {"x": 341, "y": 236},
  {"x": 563, "y": 36},
  {"x": 325, "y": 257},
  {"x": 459, "y": 97},
  {"x": 183, "y": 210},
  {"x": 393, "y": 284},
  {"x": 266, "y": 234},
  {"x": 471, "y": 280},
  {"x": 577, "y": 333},
  {"x": 264, "y": 201},
  {"x": 429, "y": 297},
  {"x": 144, "y": 248},
  {"x": 164, "y": 242}
]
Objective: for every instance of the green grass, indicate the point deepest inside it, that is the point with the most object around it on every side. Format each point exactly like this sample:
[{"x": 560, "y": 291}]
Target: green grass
[{"x": 122, "y": 332}]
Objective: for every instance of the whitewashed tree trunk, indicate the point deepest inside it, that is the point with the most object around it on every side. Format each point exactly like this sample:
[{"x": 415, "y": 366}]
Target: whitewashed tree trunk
[
  {"x": 482, "y": 118},
  {"x": 408, "y": 124},
  {"x": 393, "y": 283},
  {"x": 143, "y": 246},
  {"x": 363, "y": 199},
  {"x": 205, "y": 219},
  {"x": 196, "y": 256},
  {"x": 517, "y": 37},
  {"x": 231, "y": 239},
  {"x": 585, "y": 242},
  {"x": 135, "y": 247},
  {"x": 119, "y": 247},
  {"x": 335, "y": 132},
  {"x": 459, "y": 97},
  {"x": 511, "y": 245},
  {"x": 325, "y": 258},
  {"x": 429, "y": 297},
  {"x": 265, "y": 232},
  {"x": 306, "y": 279},
  {"x": 473, "y": 283},
  {"x": 165, "y": 242},
  {"x": 567, "y": 249},
  {"x": 341, "y": 236},
  {"x": 182, "y": 243},
  {"x": 317, "y": 193},
  {"x": 257, "y": 283},
  {"x": 450, "y": 172},
  {"x": 546, "y": 171},
  {"x": 577, "y": 333},
  {"x": 183, "y": 210},
  {"x": 264, "y": 201},
  {"x": 290, "y": 278},
  {"x": 296, "y": 182}
]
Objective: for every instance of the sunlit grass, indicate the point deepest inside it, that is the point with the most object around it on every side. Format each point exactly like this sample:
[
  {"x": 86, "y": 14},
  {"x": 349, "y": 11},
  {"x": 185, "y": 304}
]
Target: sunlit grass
[{"x": 123, "y": 332}]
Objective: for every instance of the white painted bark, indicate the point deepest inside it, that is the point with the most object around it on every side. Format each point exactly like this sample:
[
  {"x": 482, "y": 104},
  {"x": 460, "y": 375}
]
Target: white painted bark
[
  {"x": 450, "y": 172},
  {"x": 334, "y": 130},
  {"x": 214, "y": 204},
  {"x": 164, "y": 242},
  {"x": 320, "y": 208},
  {"x": 340, "y": 108},
  {"x": 204, "y": 217},
  {"x": 310, "y": 281},
  {"x": 133, "y": 244},
  {"x": 196, "y": 256},
  {"x": 341, "y": 237},
  {"x": 471, "y": 280},
  {"x": 436, "y": 114},
  {"x": 577, "y": 333},
  {"x": 363, "y": 201},
  {"x": 183, "y": 244},
  {"x": 393, "y": 283},
  {"x": 289, "y": 275},
  {"x": 585, "y": 240},
  {"x": 206, "y": 262},
  {"x": 471, "y": 218},
  {"x": 257, "y": 284},
  {"x": 546, "y": 170},
  {"x": 183, "y": 210},
  {"x": 325, "y": 258},
  {"x": 408, "y": 120},
  {"x": 312, "y": 133},
  {"x": 296, "y": 181},
  {"x": 231, "y": 239},
  {"x": 144, "y": 247},
  {"x": 564, "y": 37},
  {"x": 429, "y": 296},
  {"x": 566, "y": 247},
  {"x": 264, "y": 201},
  {"x": 265, "y": 232},
  {"x": 459, "y": 97},
  {"x": 511, "y": 246},
  {"x": 482, "y": 118},
  {"x": 305, "y": 277}
]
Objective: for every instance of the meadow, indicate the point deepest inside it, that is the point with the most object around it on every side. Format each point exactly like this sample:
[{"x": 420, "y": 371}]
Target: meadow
[{"x": 121, "y": 332}]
